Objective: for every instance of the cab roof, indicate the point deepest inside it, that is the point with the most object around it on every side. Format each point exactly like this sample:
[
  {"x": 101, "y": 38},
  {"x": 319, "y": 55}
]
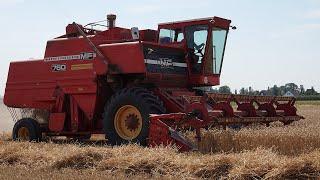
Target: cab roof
[{"x": 218, "y": 21}]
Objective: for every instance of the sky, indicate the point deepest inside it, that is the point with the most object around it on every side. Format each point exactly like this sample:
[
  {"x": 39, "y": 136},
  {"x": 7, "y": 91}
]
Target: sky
[{"x": 275, "y": 42}]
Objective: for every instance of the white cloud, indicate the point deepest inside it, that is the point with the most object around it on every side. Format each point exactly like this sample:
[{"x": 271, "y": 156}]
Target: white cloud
[
  {"x": 10, "y": 2},
  {"x": 160, "y": 6},
  {"x": 312, "y": 26},
  {"x": 142, "y": 9},
  {"x": 315, "y": 14},
  {"x": 293, "y": 31}
]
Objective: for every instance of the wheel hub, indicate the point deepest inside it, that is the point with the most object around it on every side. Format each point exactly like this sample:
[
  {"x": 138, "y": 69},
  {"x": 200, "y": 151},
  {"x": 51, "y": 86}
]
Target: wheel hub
[
  {"x": 128, "y": 122},
  {"x": 132, "y": 122},
  {"x": 23, "y": 134}
]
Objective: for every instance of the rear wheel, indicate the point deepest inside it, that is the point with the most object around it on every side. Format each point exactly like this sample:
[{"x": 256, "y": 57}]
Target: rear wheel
[
  {"x": 26, "y": 129},
  {"x": 126, "y": 117}
]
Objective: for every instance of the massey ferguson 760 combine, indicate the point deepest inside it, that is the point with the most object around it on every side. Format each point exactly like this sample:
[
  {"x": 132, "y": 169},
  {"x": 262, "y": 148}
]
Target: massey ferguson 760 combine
[{"x": 133, "y": 85}]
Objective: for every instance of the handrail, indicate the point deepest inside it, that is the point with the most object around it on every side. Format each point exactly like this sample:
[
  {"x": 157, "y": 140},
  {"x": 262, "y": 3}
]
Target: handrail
[{"x": 96, "y": 50}]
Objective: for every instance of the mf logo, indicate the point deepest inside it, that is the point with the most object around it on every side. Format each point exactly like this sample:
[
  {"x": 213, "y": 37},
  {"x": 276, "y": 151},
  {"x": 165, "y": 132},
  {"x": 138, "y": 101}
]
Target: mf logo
[
  {"x": 166, "y": 62},
  {"x": 87, "y": 56},
  {"x": 58, "y": 67}
]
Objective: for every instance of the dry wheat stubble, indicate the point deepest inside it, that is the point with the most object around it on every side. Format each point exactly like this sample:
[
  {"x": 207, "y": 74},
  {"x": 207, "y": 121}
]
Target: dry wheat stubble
[{"x": 260, "y": 153}]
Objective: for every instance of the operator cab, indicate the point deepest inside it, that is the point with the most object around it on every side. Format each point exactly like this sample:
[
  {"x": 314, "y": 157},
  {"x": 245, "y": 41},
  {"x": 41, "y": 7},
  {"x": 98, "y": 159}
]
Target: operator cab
[{"x": 204, "y": 43}]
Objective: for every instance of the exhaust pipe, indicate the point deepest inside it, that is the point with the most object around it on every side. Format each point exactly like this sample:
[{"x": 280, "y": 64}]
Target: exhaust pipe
[{"x": 111, "y": 20}]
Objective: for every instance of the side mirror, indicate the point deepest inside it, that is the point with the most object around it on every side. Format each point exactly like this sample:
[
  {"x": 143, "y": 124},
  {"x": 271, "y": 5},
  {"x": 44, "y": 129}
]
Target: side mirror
[
  {"x": 135, "y": 33},
  {"x": 233, "y": 27}
]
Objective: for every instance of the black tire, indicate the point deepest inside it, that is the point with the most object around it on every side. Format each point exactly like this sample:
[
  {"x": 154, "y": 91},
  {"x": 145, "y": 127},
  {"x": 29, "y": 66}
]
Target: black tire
[
  {"x": 33, "y": 127},
  {"x": 143, "y": 100}
]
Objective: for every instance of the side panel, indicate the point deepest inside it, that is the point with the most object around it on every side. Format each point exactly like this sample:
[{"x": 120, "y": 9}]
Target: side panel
[
  {"x": 125, "y": 57},
  {"x": 74, "y": 51},
  {"x": 31, "y": 84},
  {"x": 165, "y": 66}
]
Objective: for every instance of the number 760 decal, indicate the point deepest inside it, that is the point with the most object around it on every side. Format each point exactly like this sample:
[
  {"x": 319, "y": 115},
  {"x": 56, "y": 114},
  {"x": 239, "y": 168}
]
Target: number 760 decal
[{"x": 58, "y": 67}]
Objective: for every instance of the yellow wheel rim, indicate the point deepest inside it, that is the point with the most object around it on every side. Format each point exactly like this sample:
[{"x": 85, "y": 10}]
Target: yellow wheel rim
[
  {"x": 128, "y": 122},
  {"x": 23, "y": 134}
]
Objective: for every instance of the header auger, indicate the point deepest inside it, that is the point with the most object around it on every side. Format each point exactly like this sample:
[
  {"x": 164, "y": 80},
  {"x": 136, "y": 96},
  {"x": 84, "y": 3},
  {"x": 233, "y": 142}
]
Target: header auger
[{"x": 134, "y": 86}]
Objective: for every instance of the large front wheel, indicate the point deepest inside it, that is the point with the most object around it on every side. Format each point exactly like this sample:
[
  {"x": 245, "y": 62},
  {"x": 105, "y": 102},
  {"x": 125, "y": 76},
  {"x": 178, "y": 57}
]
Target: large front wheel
[{"x": 126, "y": 117}]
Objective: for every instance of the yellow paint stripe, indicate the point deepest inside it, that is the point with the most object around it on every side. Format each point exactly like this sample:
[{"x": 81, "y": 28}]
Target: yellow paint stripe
[{"x": 81, "y": 66}]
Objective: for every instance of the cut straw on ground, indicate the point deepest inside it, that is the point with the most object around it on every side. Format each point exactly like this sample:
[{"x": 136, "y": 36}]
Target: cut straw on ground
[{"x": 275, "y": 152}]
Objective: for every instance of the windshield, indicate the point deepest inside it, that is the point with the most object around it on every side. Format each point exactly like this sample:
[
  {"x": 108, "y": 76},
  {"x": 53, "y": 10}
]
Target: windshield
[
  {"x": 219, "y": 40},
  {"x": 197, "y": 40}
]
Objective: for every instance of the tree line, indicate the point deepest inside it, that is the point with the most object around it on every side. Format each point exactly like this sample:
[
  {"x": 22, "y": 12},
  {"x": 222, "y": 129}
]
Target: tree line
[{"x": 287, "y": 89}]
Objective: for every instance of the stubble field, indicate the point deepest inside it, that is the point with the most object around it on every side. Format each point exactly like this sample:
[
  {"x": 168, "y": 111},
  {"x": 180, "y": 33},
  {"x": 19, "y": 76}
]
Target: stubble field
[{"x": 275, "y": 152}]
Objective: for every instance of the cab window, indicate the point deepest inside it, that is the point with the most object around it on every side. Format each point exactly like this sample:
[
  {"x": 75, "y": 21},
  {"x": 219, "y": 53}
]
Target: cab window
[
  {"x": 180, "y": 37},
  {"x": 167, "y": 36}
]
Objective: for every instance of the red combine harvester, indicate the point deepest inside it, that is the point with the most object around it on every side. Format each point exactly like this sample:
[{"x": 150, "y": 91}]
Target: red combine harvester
[{"x": 133, "y": 86}]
